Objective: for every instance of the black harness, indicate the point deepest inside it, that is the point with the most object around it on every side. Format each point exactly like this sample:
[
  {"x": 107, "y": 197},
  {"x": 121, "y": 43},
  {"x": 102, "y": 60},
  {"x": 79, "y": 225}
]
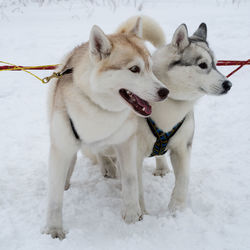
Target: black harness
[
  {"x": 162, "y": 138},
  {"x": 74, "y": 129}
]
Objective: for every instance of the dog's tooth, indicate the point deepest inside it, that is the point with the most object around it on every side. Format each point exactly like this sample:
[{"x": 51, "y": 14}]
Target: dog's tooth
[
  {"x": 128, "y": 92},
  {"x": 143, "y": 109}
]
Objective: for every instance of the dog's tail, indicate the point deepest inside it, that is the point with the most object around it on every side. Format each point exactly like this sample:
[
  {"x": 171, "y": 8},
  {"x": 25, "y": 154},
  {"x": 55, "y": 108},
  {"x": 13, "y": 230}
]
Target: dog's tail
[{"x": 151, "y": 30}]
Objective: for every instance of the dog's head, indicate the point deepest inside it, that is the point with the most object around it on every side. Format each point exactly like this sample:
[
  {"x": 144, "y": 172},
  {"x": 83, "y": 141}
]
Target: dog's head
[
  {"x": 187, "y": 66},
  {"x": 121, "y": 73}
]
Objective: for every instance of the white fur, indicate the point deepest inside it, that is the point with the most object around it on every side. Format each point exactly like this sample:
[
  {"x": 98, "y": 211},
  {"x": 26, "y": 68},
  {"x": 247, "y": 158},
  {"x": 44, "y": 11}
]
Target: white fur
[
  {"x": 186, "y": 84},
  {"x": 148, "y": 25},
  {"x": 90, "y": 98}
]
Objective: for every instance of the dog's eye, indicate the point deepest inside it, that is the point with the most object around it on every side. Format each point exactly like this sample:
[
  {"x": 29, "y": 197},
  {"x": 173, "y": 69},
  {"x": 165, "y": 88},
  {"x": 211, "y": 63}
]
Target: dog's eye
[
  {"x": 203, "y": 65},
  {"x": 135, "y": 69}
]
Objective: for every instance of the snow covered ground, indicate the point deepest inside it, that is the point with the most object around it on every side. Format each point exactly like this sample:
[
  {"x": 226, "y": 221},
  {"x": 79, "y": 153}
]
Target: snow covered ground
[{"x": 218, "y": 212}]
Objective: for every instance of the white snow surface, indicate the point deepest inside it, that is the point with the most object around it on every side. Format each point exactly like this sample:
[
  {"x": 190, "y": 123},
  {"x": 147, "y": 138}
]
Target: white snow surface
[{"x": 218, "y": 211}]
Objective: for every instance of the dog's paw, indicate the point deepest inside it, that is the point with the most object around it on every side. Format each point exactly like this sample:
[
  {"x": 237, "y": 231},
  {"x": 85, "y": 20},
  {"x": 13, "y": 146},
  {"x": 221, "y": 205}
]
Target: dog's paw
[
  {"x": 161, "y": 171},
  {"x": 176, "y": 205},
  {"x": 142, "y": 206},
  {"x": 132, "y": 214},
  {"x": 145, "y": 212},
  {"x": 55, "y": 232},
  {"x": 109, "y": 171}
]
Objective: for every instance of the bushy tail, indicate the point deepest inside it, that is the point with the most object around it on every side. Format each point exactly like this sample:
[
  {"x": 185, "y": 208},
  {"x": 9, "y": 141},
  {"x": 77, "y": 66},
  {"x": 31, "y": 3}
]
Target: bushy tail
[{"x": 151, "y": 30}]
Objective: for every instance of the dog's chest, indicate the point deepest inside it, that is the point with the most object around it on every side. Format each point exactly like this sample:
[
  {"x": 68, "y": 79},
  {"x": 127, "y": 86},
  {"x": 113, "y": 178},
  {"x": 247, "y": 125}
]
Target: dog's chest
[{"x": 92, "y": 123}]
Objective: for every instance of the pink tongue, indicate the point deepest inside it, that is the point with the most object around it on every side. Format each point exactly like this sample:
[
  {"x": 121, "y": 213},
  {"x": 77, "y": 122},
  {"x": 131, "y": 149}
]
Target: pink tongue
[{"x": 141, "y": 102}]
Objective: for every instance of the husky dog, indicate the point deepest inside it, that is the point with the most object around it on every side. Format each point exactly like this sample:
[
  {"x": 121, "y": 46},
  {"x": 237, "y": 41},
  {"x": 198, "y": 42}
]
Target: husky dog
[
  {"x": 102, "y": 81},
  {"x": 187, "y": 67}
]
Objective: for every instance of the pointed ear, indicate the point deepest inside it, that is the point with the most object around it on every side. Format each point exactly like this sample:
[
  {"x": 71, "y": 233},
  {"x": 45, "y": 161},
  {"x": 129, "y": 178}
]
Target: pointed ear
[
  {"x": 99, "y": 44},
  {"x": 180, "y": 38},
  {"x": 137, "y": 29},
  {"x": 201, "y": 32}
]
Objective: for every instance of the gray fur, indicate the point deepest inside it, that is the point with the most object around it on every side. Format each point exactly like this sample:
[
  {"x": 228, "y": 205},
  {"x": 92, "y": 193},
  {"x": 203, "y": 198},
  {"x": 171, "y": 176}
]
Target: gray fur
[
  {"x": 201, "y": 32},
  {"x": 189, "y": 56},
  {"x": 177, "y": 65}
]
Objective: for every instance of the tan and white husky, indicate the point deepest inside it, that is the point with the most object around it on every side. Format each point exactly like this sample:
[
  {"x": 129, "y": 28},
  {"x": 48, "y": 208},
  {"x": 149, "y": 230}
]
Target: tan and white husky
[
  {"x": 187, "y": 68},
  {"x": 102, "y": 81}
]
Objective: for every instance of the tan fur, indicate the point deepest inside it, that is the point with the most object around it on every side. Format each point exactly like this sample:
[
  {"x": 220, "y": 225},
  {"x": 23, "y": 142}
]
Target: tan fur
[
  {"x": 151, "y": 32},
  {"x": 132, "y": 46},
  {"x": 52, "y": 89},
  {"x": 87, "y": 109},
  {"x": 125, "y": 47}
]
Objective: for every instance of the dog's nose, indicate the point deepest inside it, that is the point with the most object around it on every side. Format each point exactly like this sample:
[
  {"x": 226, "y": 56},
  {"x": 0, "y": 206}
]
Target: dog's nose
[
  {"x": 226, "y": 85},
  {"x": 163, "y": 93}
]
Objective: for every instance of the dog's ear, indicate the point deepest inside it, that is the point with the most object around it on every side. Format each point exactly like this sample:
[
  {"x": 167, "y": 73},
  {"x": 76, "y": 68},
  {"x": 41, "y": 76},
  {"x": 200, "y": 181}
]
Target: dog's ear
[
  {"x": 201, "y": 32},
  {"x": 137, "y": 29},
  {"x": 180, "y": 38},
  {"x": 99, "y": 44}
]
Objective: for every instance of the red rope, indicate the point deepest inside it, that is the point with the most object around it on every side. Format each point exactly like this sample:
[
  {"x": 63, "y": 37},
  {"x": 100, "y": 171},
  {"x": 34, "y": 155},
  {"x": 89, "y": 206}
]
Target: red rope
[
  {"x": 13, "y": 68},
  {"x": 51, "y": 67},
  {"x": 233, "y": 63}
]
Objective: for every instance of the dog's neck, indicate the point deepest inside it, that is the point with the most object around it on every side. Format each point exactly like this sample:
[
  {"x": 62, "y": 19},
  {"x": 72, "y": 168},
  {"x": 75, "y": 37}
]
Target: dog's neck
[{"x": 168, "y": 113}]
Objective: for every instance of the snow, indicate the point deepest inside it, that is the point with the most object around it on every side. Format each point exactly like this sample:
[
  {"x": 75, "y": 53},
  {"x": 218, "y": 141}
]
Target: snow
[{"x": 218, "y": 212}]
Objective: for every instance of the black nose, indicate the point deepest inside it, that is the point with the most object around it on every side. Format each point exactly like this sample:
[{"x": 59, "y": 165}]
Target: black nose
[
  {"x": 226, "y": 85},
  {"x": 163, "y": 93}
]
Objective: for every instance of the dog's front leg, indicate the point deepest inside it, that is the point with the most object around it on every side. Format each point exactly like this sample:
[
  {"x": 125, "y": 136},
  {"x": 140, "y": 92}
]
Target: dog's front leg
[
  {"x": 140, "y": 158},
  {"x": 126, "y": 153},
  {"x": 180, "y": 158},
  {"x": 59, "y": 163}
]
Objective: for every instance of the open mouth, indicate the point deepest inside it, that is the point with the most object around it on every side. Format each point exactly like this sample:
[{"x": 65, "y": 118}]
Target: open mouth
[{"x": 139, "y": 105}]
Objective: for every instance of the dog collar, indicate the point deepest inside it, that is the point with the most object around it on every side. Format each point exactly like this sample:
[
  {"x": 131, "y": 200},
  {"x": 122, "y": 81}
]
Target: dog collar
[{"x": 162, "y": 138}]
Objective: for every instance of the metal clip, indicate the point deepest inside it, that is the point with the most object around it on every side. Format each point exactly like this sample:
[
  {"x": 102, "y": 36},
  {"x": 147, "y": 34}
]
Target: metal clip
[{"x": 54, "y": 75}]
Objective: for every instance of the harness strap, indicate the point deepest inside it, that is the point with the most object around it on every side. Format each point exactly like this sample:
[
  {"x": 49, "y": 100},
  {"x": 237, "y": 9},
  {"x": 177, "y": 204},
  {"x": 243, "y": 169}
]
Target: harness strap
[
  {"x": 74, "y": 130},
  {"x": 162, "y": 138}
]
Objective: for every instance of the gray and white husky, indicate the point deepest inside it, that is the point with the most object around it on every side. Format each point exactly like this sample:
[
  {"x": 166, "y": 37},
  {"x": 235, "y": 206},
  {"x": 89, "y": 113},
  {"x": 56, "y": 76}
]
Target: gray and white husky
[
  {"x": 102, "y": 81},
  {"x": 187, "y": 67}
]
